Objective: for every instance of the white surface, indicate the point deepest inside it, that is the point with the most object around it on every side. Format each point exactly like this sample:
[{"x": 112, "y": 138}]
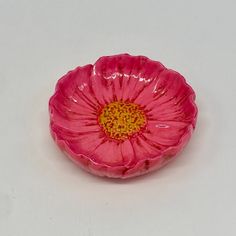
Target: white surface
[{"x": 42, "y": 192}]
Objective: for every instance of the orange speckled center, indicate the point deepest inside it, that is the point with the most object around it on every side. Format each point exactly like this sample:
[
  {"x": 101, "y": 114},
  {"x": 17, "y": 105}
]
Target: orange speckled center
[{"x": 120, "y": 120}]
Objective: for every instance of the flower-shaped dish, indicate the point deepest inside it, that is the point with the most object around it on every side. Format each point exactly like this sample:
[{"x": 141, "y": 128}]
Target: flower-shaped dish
[{"x": 123, "y": 116}]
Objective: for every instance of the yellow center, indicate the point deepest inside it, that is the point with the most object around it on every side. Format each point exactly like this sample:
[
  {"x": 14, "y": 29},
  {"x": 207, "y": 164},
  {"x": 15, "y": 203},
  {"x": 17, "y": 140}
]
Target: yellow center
[{"x": 120, "y": 120}]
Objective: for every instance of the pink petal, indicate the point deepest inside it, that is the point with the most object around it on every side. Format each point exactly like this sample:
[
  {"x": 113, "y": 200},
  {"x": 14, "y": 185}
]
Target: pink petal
[
  {"x": 76, "y": 87},
  {"x": 143, "y": 167},
  {"x": 72, "y": 109},
  {"x": 127, "y": 152},
  {"x": 114, "y": 153},
  {"x": 123, "y": 77},
  {"x": 145, "y": 149},
  {"x": 168, "y": 86},
  {"x": 74, "y": 132},
  {"x": 86, "y": 144},
  {"x": 76, "y": 126},
  {"x": 109, "y": 152},
  {"x": 169, "y": 111},
  {"x": 166, "y": 133},
  {"x": 171, "y": 99}
]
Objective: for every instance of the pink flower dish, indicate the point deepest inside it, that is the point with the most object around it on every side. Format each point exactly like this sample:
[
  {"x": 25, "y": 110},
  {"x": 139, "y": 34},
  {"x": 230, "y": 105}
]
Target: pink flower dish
[{"x": 123, "y": 116}]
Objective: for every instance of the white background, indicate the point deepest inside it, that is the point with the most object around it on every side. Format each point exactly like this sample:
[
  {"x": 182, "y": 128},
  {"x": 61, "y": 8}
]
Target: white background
[{"x": 42, "y": 192}]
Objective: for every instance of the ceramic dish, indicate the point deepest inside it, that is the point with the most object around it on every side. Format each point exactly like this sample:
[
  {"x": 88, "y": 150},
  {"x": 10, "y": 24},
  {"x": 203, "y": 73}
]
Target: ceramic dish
[{"x": 123, "y": 116}]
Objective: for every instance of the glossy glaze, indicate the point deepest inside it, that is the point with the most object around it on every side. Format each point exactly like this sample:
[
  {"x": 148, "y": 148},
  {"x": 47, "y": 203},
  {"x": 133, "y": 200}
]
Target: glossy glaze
[{"x": 162, "y": 94}]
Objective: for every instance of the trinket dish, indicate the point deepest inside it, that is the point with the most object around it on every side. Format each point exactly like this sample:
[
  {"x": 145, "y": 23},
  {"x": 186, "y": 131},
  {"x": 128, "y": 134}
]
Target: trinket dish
[{"x": 123, "y": 116}]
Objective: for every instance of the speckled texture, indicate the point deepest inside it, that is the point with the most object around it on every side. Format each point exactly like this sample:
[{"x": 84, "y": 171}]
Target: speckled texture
[{"x": 163, "y": 94}]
